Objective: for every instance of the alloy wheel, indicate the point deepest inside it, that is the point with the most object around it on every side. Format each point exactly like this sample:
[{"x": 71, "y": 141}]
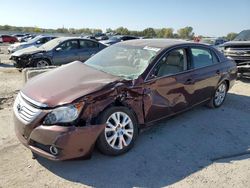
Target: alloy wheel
[
  {"x": 220, "y": 94},
  {"x": 42, "y": 63},
  {"x": 119, "y": 130}
]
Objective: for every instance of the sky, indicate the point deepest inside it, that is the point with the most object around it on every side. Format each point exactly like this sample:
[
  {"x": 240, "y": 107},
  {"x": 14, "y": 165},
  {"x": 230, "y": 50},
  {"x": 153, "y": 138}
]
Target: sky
[{"x": 207, "y": 17}]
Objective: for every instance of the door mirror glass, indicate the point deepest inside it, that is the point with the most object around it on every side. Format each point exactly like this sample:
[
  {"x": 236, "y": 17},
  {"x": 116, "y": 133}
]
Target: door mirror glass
[{"x": 38, "y": 42}]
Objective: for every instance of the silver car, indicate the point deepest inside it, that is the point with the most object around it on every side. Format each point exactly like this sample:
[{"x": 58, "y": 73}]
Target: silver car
[{"x": 37, "y": 41}]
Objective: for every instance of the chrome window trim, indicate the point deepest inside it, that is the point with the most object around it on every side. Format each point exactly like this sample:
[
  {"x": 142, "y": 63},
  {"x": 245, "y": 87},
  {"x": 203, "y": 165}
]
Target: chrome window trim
[
  {"x": 33, "y": 101},
  {"x": 188, "y": 70}
]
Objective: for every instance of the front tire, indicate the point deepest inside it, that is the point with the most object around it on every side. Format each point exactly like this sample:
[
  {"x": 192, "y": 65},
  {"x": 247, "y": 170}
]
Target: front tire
[
  {"x": 219, "y": 96},
  {"x": 41, "y": 63},
  {"x": 120, "y": 132}
]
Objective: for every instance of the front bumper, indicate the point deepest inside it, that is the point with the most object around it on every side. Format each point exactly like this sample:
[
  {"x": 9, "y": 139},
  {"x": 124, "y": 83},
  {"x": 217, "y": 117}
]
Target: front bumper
[
  {"x": 242, "y": 62},
  {"x": 71, "y": 142},
  {"x": 20, "y": 62}
]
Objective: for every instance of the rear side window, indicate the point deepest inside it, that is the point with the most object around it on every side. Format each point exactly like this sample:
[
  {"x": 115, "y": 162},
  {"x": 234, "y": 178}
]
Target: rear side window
[
  {"x": 201, "y": 57},
  {"x": 88, "y": 44}
]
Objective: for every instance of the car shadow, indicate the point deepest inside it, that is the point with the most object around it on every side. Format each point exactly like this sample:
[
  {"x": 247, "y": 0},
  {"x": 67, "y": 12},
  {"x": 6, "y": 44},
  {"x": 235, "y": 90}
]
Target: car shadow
[
  {"x": 170, "y": 151},
  {"x": 5, "y": 65}
]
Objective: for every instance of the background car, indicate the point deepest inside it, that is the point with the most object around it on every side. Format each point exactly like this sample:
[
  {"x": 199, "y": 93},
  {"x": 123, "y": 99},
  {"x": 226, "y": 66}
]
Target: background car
[
  {"x": 239, "y": 51},
  {"x": 26, "y": 38},
  {"x": 8, "y": 39},
  {"x": 20, "y": 36},
  {"x": 123, "y": 88},
  {"x": 117, "y": 38},
  {"x": 37, "y": 41},
  {"x": 56, "y": 52},
  {"x": 213, "y": 41}
]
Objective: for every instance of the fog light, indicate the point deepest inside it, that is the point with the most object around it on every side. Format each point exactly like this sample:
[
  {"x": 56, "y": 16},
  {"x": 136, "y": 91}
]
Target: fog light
[{"x": 53, "y": 150}]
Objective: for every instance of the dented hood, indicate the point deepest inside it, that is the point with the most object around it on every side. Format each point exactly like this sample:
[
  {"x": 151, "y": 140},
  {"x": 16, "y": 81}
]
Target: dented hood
[
  {"x": 66, "y": 83},
  {"x": 27, "y": 51}
]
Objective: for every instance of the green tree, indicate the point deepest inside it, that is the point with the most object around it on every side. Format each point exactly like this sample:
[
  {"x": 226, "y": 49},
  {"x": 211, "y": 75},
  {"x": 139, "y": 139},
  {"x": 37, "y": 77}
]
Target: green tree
[
  {"x": 37, "y": 30},
  {"x": 231, "y": 36},
  {"x": 122, "y": 31},
  {"x": 109, "y": 30},
  {"x": 149, "y": 32},
  {"x": 165, "y": 33},
  {"x": 186, "y": 33}
]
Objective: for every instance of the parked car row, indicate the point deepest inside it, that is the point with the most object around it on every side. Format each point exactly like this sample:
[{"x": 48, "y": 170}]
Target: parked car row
[
  {"x": 16, "y": 38},
  {"x": 105, "y": 101}
]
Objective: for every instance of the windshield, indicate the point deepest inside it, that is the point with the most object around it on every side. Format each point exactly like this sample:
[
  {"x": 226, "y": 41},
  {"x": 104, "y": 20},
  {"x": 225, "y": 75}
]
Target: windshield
[
  {"x": 50, "y": 45},
  {"x": 125, "y": 61},
  {"x": 34, "y": 39},
  {"x": 243, "y": 36},
  {"x": 114, "y": 38}
]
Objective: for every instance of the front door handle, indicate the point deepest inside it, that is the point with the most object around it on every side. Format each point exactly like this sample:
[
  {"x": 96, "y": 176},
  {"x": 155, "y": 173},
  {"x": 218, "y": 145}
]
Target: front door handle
[{"x": 189, "y": 81}]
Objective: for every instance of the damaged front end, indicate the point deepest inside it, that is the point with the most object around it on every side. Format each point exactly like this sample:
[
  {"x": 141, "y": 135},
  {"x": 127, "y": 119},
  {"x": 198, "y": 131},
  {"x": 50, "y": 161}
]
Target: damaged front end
[
  {"x": 47, "y": 134},
  {"x": 55, "y": 141},
  {"x": 22, "y": 61}
]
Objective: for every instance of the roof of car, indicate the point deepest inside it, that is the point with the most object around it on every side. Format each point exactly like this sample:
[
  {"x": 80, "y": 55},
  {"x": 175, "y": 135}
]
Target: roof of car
[
  {"x": 159, "y": 43},
  {"x": 61, "y": 39}
]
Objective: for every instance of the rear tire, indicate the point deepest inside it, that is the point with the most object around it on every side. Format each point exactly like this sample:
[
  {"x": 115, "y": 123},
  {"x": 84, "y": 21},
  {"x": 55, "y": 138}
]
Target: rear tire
[
  {"x": 219, "y": 96},
  {"x": 120, "y": 133}
]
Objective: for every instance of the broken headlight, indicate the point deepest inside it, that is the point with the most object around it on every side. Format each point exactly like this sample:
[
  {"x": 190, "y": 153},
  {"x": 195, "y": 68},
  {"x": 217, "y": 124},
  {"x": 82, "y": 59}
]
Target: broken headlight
[{"x": 64, "y": 114}]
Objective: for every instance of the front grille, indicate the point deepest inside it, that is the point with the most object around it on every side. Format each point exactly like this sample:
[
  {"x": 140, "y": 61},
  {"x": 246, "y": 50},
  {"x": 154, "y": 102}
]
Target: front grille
[{"x": 24, "y": 111}]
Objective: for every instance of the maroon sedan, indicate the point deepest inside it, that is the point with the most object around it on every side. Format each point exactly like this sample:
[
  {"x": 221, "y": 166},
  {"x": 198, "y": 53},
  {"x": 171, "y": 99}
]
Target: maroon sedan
[
  {"x": 8, "y": 39},
  {"x": 105, "y": 101}
]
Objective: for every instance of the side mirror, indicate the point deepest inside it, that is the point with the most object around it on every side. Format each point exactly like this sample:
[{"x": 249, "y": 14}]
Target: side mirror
[
  {"x": 38, "y": 42},
  {"x": 58, "y": 49}
]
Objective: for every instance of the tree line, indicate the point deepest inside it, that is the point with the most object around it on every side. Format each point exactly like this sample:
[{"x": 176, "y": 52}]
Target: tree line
[{"x": 183, "y": 33}]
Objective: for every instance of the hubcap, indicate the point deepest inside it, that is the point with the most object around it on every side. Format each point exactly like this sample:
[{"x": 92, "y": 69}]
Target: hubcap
[
  {"x": 119, "y": 130},
  {"x": 220, "y": 94},
  {"x": 42, "y": 63}
]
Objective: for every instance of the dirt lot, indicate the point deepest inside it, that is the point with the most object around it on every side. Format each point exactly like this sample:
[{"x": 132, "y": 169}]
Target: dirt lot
[{"x": 199, "y": 148}]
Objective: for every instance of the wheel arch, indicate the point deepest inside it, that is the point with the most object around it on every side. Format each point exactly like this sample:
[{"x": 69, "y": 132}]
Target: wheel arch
[{"x": 119, "y": 103}]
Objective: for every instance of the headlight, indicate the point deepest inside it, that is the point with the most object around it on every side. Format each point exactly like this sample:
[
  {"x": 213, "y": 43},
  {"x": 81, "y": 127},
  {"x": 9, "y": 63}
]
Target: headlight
[{"x": 64, "y": 114}]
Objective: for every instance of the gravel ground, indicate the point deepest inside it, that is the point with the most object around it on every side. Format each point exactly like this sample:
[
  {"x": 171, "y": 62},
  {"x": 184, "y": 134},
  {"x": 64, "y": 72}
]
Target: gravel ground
[{"x": 200, "y": 148}]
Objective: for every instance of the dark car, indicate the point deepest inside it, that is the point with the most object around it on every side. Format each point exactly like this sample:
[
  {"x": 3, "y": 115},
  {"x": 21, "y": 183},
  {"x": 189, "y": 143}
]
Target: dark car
[
  {"x": 117, "y": 38},
  {"x": 8, "y": 39},
  {"x": 239, "y": 51},
  {"x": 105, "y": 101},
  {"x": 56, "y": 52}
]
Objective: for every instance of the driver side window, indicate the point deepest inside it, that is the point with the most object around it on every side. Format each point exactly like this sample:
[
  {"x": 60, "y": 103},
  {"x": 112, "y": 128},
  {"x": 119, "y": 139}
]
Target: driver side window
[
  {"x": 69, "y": 45},
  {"x": 172, "y": 63}
]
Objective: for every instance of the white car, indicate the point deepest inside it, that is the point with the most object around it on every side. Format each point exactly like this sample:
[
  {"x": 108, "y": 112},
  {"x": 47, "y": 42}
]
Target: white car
[{"x": 37, "y": 41}]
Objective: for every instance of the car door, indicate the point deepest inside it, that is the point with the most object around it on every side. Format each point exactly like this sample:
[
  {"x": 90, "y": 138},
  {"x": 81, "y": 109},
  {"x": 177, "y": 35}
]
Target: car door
[
  {"x": 168, "y": 87},
  {"x": 87, "y": 49},
  {"x": 206, "y": 72},
  {"x": 66, "y": 52}
]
